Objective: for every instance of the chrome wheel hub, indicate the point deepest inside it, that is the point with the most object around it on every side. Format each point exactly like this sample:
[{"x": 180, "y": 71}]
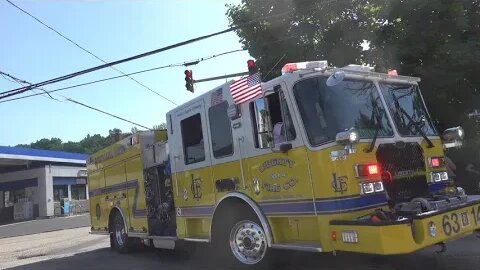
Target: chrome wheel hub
[{"x": 247, "y": 241}]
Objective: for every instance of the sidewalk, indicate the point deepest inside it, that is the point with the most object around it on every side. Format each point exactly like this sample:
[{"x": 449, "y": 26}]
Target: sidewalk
[{"x": 44, "y": 225}]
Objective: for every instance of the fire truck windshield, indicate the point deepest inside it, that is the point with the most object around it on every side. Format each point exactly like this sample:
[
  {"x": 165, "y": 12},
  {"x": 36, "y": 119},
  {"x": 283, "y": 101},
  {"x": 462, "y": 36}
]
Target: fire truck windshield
[
  {"x": 407, "y": 109},
  {"x": 327, "y": 110}
]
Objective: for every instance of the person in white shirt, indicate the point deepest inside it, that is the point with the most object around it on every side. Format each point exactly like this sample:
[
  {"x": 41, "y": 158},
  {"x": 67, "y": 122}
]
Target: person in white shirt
[{"x": 278, "y": 133}]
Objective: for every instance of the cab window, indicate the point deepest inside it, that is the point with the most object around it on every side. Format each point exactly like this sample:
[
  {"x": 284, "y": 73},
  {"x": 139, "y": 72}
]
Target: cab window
[
  {"x": 192, "y": 138},
  {"x": 220, "y": 130}
]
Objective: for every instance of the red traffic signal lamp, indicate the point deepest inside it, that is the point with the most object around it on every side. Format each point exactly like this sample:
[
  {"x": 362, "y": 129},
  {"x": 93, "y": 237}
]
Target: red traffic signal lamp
[
  {"x": 252, "y": 69},
  {"x": 189, "y": 80}
]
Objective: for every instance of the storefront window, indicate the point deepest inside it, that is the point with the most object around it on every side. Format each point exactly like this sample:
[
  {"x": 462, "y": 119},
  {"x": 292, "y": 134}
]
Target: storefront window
[
  {"x": 12, "y": 197},
  {"x": 79, "y": 192},
  {"x": 60, "y": 192}
]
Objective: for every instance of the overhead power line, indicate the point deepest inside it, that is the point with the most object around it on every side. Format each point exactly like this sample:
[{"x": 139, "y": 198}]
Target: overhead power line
[
  {"x": 88, "y": 51},
  {"x": 112, "y": 115},
  {"x": 89, "y": 70},
  {"x": 120, "y": 76},
  {"x": 138, "y": 56},
  {"x": 20, "y": 81}
]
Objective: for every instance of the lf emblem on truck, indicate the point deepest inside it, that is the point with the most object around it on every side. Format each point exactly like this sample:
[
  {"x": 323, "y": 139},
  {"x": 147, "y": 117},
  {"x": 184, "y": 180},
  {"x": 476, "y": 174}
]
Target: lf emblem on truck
[
  {"x": 196, "y": 188},
  {"x": 339, "y": 184}
]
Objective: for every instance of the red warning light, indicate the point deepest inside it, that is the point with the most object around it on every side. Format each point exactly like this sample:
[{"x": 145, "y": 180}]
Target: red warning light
[
  {"x": 367, "y": 170},
  {"x": 436, "y": 162},
  {"x": 372, "y": 169},
  {"x": 251, "y": 67}
]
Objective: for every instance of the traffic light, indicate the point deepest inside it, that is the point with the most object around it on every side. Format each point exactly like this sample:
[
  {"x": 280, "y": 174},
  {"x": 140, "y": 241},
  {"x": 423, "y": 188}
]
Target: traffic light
[
  {"x": 189, "y": 80},
  {"x": 252, "y": 69}
]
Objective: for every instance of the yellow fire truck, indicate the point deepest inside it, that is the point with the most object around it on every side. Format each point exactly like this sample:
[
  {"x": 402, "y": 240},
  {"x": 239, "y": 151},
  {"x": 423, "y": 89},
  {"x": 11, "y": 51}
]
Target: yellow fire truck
[{"x": 325, "y": 160}]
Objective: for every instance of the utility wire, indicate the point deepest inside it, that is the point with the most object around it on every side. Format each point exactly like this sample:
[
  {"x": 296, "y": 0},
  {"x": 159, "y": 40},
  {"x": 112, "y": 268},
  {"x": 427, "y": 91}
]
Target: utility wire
[
  {"x": 20, "y": 81},
  {"x": 112, "y": 115},
  {"x": 89, "y": 70},
  {"x": 120, "y": 76},
  {"x": 88, "y": 51},
  {"x": 138, "y": 56}
]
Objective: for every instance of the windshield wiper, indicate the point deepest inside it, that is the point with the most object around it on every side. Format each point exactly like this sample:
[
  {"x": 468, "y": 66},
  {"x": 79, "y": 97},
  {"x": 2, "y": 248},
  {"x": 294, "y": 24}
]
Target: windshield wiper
[
  {"x": 415, "y": 125},
  {"x": 376, "y": 118}
]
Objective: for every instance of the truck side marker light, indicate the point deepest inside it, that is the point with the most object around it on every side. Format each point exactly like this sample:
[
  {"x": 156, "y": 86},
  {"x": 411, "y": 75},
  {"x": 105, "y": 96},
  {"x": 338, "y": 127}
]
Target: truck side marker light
[{"x": 432, "y": 229}]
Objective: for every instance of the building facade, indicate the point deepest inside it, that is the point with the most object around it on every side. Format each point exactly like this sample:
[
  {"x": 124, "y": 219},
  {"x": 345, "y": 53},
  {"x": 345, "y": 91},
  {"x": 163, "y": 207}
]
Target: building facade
[{"x": 33, "y": 183}]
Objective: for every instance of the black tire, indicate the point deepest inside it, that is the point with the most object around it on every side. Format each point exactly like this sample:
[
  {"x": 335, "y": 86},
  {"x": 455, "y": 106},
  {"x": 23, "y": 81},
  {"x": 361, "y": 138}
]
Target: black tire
[
  {"x": 119, "y": 240},
  {"x": 232, "y": 223}
]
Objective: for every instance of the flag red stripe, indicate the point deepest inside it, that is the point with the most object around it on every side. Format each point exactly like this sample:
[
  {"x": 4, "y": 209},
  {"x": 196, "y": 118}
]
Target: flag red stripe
[
  {"x": 247, "y": 93},
  {"x": 249, "y": 98},
  {"x": 240, "y": 86},
  {"x": 246, "y": 89}
]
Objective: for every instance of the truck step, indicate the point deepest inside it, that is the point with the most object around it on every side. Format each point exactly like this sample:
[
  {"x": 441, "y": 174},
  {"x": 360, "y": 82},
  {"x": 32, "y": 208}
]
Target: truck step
[{"x": 300, "y": 246}]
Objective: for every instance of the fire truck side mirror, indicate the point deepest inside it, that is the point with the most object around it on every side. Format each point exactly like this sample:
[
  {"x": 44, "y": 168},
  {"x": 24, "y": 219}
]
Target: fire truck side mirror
[
  {"x": 336, "y": 78},
  {"x": 347, "y": 137},
  {"x": 453, "y": 137},
  {"x": 285, "y": 147}
]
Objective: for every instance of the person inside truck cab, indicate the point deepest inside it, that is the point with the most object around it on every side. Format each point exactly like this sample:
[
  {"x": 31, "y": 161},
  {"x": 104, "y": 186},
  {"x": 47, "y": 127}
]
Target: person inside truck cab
[
  {"x": 279, "y": 133},
  {"x": 283, "y": 129}
]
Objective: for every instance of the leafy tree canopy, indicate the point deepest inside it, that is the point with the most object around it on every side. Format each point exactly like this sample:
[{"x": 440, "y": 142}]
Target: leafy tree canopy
[
  {"x": 88, "y": 145},
  {"x": 437, "y": 40}
]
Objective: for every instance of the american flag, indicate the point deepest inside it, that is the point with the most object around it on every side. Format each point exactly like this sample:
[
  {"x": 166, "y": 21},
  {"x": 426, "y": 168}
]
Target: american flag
[
  {"x": 216, "y": 97},
  {"x": 246, "y": 88}
]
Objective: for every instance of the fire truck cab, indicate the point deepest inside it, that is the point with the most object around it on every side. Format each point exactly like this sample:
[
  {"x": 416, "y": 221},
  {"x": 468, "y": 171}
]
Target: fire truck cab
[{"x": 326, "y": 160}]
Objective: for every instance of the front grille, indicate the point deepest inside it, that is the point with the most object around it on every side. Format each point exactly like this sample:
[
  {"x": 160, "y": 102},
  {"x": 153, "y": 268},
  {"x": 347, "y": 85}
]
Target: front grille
[
  {"x": 401, "y": 158},
  {"x": 401, "y": 190},
  {"x": 406, "y": 165}
]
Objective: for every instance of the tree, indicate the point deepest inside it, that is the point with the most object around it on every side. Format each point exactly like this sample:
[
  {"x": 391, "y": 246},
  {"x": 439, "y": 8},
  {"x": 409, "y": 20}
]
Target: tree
[
  {"x": 54, "y": 144},
  {"x": 160, "y": 127},
  {"x": 437, "y": 40},
  {"x": 302, "y": 30},
  {"x": 88, "y": 145}
]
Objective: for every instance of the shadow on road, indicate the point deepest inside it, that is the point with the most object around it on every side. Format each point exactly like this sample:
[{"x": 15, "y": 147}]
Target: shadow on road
[{"x": 204, "y": 258}]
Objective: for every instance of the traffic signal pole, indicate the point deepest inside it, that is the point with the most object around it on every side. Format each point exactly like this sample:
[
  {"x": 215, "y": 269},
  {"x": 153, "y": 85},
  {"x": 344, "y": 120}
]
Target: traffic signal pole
[{"x": 221, "y": 77}]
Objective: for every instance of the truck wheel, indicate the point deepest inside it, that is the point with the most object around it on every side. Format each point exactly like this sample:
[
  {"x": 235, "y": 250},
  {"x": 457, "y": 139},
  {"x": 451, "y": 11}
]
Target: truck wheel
[
  {"x": 239, "y": 239},
  {"x": 118, "y": 236},
  {"x": 248, "y": 242}
]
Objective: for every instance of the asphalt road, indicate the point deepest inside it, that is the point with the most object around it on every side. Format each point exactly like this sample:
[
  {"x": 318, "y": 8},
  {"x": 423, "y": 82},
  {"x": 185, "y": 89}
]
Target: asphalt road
[
  {"x": 75, "y": 249},
  {"x": 44, "y": 225}
]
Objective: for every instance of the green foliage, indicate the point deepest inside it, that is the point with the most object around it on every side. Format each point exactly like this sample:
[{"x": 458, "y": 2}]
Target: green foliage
[
  {"x": 88, "y": 145},
  {"x": 437, "y": 40},
  {"x": 304, "y": 30},
  {"x": 160, "y": 127}
]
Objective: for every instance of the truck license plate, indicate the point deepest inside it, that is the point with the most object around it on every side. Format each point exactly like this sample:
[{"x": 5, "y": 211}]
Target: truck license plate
[{"x": 465, "y": 221}]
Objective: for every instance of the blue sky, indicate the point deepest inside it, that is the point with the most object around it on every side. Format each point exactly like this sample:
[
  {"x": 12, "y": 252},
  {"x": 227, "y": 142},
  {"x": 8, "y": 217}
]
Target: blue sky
[{"x": 112, "y": 30}]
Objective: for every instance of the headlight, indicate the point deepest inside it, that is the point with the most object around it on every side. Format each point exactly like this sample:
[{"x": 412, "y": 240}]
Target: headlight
[
  {"x": 371, "y": 187},
  {"x": 368, "y": 188},
  {"x": 439, "y": 176},
  {"x": 378, "y": 186}
]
